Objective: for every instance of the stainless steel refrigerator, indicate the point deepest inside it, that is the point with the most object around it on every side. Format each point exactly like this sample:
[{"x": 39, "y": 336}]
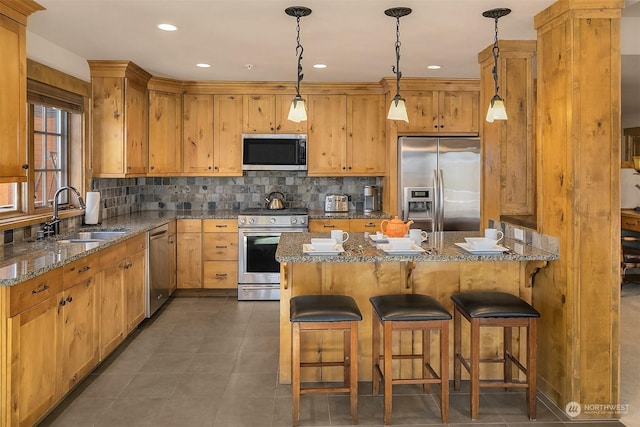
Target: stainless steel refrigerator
[{"x": 439, "y": 182}]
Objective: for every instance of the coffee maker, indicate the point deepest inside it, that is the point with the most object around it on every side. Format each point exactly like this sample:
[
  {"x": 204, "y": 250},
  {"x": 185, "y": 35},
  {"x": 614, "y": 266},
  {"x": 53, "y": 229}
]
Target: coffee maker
[{"x": 371, "y": 199}]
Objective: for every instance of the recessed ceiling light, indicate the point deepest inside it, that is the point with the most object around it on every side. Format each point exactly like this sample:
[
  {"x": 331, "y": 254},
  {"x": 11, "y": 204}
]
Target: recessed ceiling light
[
  {"x": 203, "y": 65},
  {"x": 433, "y": 67},
  {"x": 167, "y": 27},
  {"x": 319, "y": 65}
]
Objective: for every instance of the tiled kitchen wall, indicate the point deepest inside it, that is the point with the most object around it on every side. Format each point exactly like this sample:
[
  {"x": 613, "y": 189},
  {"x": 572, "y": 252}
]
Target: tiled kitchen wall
[{"x": 250, "y": 190}]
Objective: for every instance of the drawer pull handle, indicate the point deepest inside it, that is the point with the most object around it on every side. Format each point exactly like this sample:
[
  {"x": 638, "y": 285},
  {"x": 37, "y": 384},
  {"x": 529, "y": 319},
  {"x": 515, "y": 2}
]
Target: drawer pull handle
[
  {"x": 69, "y": 299},
  {"x": 221, "y": 225},
  {"x": 221, "y": 275},
  {"x": 42, "y": 289},
  {"x": 63, "y": 303},
  {"x": 371, "y": 224},
  {"x": 221, "y": 246},
  {"x": 83, "y": 269},
  {"x": 329, "y": 226}
]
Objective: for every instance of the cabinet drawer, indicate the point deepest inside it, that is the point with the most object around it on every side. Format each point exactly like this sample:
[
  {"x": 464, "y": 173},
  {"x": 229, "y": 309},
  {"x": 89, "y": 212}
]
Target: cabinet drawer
[
  {"x": 220, "y": 246},
  {"x": 629, "y": 223},
  {"x": 362, "y": 225},
  {"x": 189, "y": 225},
  {"x": 326, "y": 225},
  {"x": 220, "y": 225},
  {"x": 220, "y": 274},
  {"x": 112, "y": 254},
  {"x": 136, "y": 243},
  {"x": 27, "y": 294},
  {"x": 80, "y": 270}
]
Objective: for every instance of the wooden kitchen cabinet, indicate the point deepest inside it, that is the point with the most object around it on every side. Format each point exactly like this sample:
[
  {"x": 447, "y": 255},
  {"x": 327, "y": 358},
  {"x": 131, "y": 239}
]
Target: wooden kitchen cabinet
[
  {"x": 197, "y": 142},
  {"x": 220, "y": 253},
  {"x": 325, "y": 225},
  {"x": 112, "y": 305},
  {"x": 365, "y": 153},
  {"x": 134, "y": 281},
  {"x": 33, "y": 348},
  {"x": 227, "y": 131},
  {"x": 630, "y": 221},
  {"x": 13, "y": 96},
  {"x": 189, "y": 259},
  {"x": 165, "y": 132},
  {"x": 327, "y": 134},
  {"x": 268, "y": 114},
  {"x": 441, "y": 112},
  {"x": 365, "y": 225},
  {"x": 173, "y": 253},
  {"x": 119, "y": 119}
]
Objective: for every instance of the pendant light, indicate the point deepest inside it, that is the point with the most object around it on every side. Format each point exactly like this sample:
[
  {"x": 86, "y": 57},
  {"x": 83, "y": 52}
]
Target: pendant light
[
  {"x": 397, "y": 109},
  {"x": 298, "y": 110},
  {"x": 496, "y": 109}
]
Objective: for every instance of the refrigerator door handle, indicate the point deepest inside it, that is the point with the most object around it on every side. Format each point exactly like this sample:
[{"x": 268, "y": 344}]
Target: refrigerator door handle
[
  {"x": 441, "y": 197},
  {"x": 435, "y": 224}
]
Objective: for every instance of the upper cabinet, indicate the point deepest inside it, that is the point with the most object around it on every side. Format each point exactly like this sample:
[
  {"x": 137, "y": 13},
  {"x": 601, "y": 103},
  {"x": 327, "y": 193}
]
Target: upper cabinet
[
  {"x": 268, "y": 114},
  {"x": 13, "y": 96},
  {"x": 198, "y": 134},
  {"x": 346, "y": 135},
  {"x": 119, "y": 119},
  {"x": 227, "y": 135},
  {"x": 450, "y": 112},
  {"x": 165, "y": 132}
]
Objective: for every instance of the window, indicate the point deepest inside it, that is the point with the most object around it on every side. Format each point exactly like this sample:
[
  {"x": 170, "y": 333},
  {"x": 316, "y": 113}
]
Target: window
[
  {"x": 8, "y": 197},
  {"x": 50, "y": 153}
]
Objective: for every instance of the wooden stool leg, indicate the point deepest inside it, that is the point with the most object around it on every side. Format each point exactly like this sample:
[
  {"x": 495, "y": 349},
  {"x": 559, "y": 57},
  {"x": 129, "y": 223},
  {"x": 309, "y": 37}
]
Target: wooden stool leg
[
  {"x": 346, "y": 355},
  {"x": 375, "y": 352},
  {"x": 507, "y": 351},
  {"x": 444, "y": 371},
  {"x": 295, "y": 372},
  {"x": 388, "y": 371},
  {"x": 475, "y": 368},
  {"x": 353, "y": 366},
  {"x": 426, "y": 357},
  {"x": 457, "y": 348},
  {"x": 532, "y": 332}
]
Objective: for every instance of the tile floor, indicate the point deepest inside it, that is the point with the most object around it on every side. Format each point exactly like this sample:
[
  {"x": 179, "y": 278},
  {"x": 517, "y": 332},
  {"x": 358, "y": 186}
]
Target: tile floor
[{"x": 213, "y": 362}]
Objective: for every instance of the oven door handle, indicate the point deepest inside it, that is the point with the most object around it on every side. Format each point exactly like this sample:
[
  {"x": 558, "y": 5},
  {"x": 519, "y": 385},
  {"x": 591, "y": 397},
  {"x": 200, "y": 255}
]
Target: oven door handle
[{"x": 260, "y": 287}]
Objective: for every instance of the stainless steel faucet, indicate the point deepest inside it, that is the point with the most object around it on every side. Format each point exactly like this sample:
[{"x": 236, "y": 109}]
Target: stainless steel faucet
[{"x": 52, "y": 227}]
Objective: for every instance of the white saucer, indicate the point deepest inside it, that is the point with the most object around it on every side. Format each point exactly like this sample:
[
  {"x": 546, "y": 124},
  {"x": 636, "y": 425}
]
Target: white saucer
[
  {"x": 496, "y": 250},
  {"x": 413, "y": 250},
  {"x": 377, "y": 239},
  {"x": 310, "y": 250}
]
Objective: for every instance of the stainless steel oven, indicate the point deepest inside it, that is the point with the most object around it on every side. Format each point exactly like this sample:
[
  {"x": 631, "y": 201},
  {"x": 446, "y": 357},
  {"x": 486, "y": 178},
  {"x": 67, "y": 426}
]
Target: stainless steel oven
[{"x": 259, "y": 233}]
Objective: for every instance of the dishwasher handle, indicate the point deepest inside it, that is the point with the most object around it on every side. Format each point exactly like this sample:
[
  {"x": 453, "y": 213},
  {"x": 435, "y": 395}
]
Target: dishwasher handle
[{"x": 158, "y": 234}]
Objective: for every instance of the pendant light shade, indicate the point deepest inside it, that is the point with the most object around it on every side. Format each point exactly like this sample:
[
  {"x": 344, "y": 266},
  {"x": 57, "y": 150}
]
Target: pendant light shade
[
  {"x": 496, "y": 109},
  {"x": 298, "y": 109},
  {"x": 397, "y": 109}
]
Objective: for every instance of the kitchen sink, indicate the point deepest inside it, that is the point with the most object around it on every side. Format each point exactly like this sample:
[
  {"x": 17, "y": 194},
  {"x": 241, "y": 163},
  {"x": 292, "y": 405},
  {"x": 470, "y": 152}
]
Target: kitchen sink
[{"x": 91, "y": 236}]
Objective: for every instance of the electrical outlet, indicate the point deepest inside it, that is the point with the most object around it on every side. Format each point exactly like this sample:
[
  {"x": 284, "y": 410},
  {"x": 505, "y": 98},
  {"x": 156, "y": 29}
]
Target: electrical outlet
[{"x": 518, "y": 234}]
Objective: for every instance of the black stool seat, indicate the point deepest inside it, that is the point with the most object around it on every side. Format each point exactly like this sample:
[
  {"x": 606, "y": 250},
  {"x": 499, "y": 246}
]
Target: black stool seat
[
  {"x": 408, "y": 307},
  {"x": 631, "y": 254},
  {"x": 493, "y": 304},
  {"x": 323, "y": 308}
]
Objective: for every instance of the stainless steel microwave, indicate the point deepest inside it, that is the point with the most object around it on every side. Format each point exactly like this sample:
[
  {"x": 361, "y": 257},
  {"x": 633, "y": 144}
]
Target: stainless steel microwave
[{"x": 274, "y": 152}]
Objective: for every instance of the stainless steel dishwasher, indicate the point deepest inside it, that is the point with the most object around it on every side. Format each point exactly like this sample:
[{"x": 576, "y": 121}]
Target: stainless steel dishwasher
[{"x": 158, "y": 283}]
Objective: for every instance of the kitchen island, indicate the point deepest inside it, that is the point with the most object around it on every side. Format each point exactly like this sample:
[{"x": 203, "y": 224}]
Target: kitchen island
[{"x": 363, "y": 271}]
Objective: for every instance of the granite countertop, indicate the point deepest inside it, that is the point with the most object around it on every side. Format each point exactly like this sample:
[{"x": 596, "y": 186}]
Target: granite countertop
[{"x": 359, "y": 248}]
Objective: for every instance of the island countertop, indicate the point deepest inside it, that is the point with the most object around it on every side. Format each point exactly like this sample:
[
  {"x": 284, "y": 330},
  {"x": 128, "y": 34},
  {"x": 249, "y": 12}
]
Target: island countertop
[{"x": 360, "y": 248}]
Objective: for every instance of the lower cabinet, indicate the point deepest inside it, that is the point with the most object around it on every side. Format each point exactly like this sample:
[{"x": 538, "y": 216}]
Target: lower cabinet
[
  {"x": 353, "y": 225},
  {"x": 173, "y": 253},
  {"x": 189, "y": 254},
  {"x": 112, "y": 311},
  {"x": 220, "y": 253},
  {"x": 134, "y": 282}
]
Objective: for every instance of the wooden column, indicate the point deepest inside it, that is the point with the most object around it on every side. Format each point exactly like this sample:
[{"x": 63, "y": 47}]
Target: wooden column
[
  {"x": 578, "y": 158},
  {"x": 508, "y": 147}
]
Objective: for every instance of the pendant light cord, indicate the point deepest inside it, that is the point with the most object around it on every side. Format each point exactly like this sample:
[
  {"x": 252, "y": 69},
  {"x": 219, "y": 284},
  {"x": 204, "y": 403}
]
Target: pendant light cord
[
  {"x": 496, "y": 52},
  {"x": 396, "y": 68},
  {"x": 299, "y": 50}
]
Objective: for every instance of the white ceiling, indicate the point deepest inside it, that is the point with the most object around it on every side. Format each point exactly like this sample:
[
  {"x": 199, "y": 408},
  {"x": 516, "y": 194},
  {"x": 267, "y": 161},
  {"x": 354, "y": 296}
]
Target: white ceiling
[{"x": 353, "y": 37}]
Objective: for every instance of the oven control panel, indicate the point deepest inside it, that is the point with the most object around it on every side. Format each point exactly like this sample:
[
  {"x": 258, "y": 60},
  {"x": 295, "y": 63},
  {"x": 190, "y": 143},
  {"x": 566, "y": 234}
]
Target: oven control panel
[{"x": 249, "y": 221}]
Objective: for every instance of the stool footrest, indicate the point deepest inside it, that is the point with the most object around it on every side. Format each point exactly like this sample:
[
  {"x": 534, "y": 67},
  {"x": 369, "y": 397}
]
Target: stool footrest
[
  {"x": 500, "y": 383},
  {"x": 323, "y": 390},
  {"x": 416, "y": 381},
  {"x": 321, "y": 364}
]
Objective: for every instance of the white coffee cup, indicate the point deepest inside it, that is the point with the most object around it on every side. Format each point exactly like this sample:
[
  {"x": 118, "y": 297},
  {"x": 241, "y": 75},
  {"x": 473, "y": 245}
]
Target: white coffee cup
[
  {"x": 417, "y": 235},
  {"x": 493, "y": 234},
  {"x": 379, "y": 235},
  {"x": 339, "y": 236}
]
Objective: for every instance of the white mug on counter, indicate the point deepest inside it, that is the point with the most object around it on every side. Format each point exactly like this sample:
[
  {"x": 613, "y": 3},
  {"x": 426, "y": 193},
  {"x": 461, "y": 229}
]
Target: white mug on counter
[
  {"x": 339, "y": 236},
  {"x": 493, "y": 234},
  {"x": 417, "y": 235}
]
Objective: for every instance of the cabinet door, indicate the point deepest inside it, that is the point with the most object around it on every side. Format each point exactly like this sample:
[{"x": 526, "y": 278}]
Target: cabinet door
[
  {"x": 364, "y": 225},
  {"x": 227, "y": 124},
  {"x": 80, "y": 338},
  {"x": 137, "y": 143},
  {"x": 458, "y": 112},
  {"x": 259, "y": 114},
  {"x": 112, "y": 311},
  {"x": 366, "y": 141},
  {"x": 35, "y": 353},
  {"x": 134, "y": 281},
  {"x": 326, "y": 225},
  {"x": 165, "y": 132},
  {"x": 13, "y": 99},
  {"x": 107, "y": 116},
  {"x": 284, "y": 125},
  {"x": 327, "y": 137},
  {"x": 189, "y": 260},
  {"x": 422, "y": 110},
  {"x": 197, "y": 144},
  {"x": 173, "y": 251}
]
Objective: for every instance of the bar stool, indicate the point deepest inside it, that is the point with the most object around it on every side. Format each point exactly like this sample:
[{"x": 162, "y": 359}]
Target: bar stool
[
  {"x": 410, "y": 312},
  {"x": 495, "y": 309},
  {"x": 319, "y": 313}
]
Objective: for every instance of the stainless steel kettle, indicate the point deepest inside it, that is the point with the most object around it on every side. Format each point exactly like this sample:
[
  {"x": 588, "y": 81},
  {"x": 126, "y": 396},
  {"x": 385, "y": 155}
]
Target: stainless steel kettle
[{"x": 274, "y": 202}]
